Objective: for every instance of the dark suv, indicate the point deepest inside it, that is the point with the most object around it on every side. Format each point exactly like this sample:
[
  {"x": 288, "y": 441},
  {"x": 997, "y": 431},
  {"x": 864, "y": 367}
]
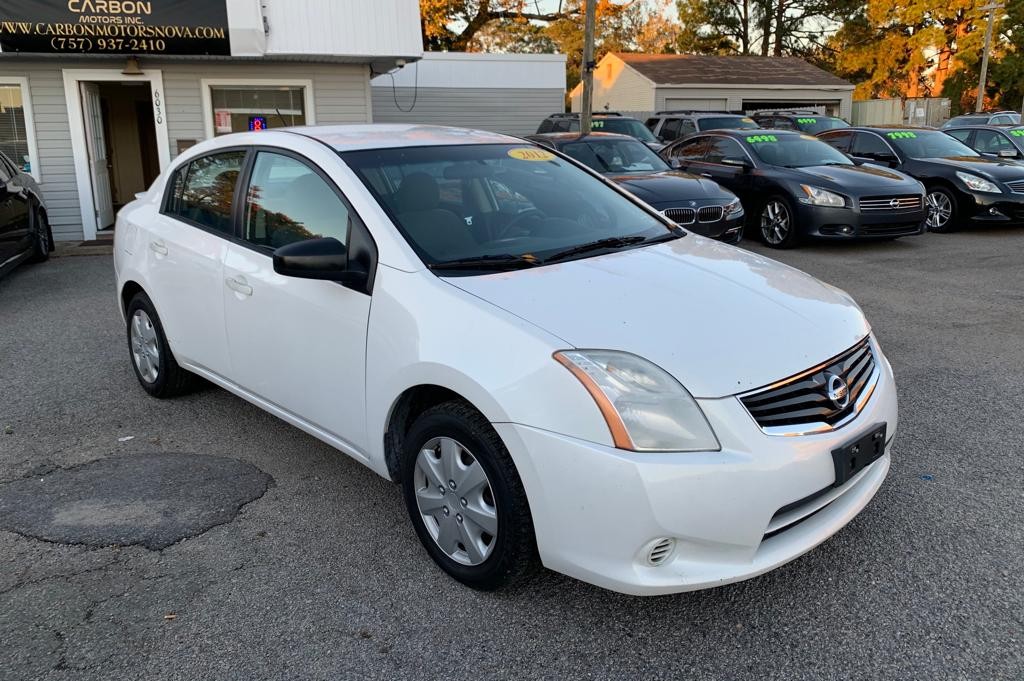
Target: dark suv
[
  {"x": 810, "y": 122},
  {"x": 669, "y": 126},
  {"x": 603, "y": 121}
]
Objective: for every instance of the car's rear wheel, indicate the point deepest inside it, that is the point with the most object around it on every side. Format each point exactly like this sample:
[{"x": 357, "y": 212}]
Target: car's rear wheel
[
  {"x": 465, "y": 498},
  {"x": 778, "y": 226},
  {"x": 40, "y": 236},
  {"x": 942, "y": 210},
  {"x": 155, "y": 366}
]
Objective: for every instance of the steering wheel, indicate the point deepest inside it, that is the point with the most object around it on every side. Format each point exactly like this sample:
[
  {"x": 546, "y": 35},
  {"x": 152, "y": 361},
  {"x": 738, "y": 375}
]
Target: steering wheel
[{"x": 514, "y": 222}]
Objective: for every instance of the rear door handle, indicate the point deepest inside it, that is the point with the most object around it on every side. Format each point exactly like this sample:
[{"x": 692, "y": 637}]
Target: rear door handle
[
  {"x": 158, "y": 247},
  {"x": 239, "y": 285}
]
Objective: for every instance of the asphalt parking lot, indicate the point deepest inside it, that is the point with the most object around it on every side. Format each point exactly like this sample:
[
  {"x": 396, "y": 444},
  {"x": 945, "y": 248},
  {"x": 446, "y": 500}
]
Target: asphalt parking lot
[{"x": 319, "y": 574}]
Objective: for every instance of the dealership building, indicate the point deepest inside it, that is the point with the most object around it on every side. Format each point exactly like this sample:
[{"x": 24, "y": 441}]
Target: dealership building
[{"x": 97, "y": 96}]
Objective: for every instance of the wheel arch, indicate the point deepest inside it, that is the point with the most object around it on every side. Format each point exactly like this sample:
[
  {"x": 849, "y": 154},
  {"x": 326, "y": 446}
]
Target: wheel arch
[{"x": 129, "y": 289}]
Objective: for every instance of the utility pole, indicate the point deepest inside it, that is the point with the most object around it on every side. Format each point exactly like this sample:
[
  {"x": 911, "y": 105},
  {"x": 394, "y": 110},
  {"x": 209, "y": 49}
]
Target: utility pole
[
  {"x": 588, "y": 68},
  {"x": 991, "y": 7}
]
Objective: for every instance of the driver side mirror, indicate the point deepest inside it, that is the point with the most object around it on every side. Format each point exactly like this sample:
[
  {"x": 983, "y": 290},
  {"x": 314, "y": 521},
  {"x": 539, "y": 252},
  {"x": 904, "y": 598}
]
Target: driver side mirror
[
  {"x": 1008, "y": 153},
  {"x": 325, "y": 258}
]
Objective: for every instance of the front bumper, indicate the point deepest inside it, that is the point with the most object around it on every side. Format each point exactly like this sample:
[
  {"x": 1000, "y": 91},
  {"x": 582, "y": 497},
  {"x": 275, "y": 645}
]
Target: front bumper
[
  {"x": 729, "y": 228},
  {"x": 851, "y": 223},
  {"x": 598, "y": 510},
  {"x": 994, "y": 209}
]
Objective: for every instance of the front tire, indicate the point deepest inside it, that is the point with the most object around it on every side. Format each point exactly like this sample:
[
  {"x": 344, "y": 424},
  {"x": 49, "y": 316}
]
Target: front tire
[
  {"x": 778, "y": 227},
  {"x": 41, "y": 238},
  {"x": 942, "y": 210},
  {"x": 465, "y": 498},
  {"x": 155, "y": 366}
]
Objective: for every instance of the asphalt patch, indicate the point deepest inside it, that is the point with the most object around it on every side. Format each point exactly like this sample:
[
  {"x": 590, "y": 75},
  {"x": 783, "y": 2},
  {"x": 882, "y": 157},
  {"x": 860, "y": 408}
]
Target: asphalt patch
[{"x": 150, "y": 500}]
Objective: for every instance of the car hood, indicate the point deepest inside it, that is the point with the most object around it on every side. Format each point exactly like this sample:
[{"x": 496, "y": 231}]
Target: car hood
[
  {"x": 670, "y": 186},
  {"x": 867, "y": 177},
  {"x": 720, "y": 319},
  {"x": 992, "y": 167}
]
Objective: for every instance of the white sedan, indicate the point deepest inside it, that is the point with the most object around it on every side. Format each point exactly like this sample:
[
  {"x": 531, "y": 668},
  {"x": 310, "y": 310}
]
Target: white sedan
[{"x": 550, "y": 369}]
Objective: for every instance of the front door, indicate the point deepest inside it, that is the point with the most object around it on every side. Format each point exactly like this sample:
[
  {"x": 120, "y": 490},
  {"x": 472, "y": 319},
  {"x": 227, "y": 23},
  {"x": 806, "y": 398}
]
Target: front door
[
  {"x": 99, "y": 164},
  {"x": 297, "y": 343}
]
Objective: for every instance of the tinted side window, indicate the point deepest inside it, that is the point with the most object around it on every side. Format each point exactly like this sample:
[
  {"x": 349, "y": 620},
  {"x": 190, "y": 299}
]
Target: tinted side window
[
  {"x": 784, "y": 124},
  {"x": 961, "y": 135},
  {"x": 839, "y": 140},
  {"x": 867, "y": 145},
  {"x": 688, "y": 128},
  {"x": 690, "y": 150},
  {"x": 722, "y": 147},
  {"x": 670, "y": 130},
  {"x": 991, "y": 142},
  {"x": 5, "y": 173},
  {"x": 1000, "y": 119},
  {"x": 204, "y": 191},
  {"x": 545, "y": 126},
  {"x": 288, "y": 201}
]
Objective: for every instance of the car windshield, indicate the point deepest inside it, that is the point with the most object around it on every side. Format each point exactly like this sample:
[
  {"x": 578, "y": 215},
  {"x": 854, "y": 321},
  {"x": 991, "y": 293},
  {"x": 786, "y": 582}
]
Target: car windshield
[
  {"x": 615, "y": 156},
  {"x": 498, "y": 205},
  {"x": 815, "y": 124},
  {"x": 623, "y": 126},
  {"x": 928, "y": 144},
  {"x": 726, "y": 123},
  {"x": 795, "y": 151}
]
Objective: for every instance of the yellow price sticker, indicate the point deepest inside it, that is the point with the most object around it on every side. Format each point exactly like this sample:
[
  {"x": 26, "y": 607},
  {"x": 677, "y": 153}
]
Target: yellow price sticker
[{"x": 530, "y": 154}]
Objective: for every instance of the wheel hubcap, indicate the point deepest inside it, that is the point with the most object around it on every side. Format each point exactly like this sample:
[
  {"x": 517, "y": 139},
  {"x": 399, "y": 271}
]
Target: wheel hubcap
[
  {"x": 455, "y": 501},
  {"x": 145, "y": 348},
  {"x": 939, "y": 210},
  {"x": 775, "y": 223}
]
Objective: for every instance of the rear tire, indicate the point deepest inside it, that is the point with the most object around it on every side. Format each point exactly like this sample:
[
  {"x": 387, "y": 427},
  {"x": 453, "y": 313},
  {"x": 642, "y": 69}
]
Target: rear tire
[
  {"x": 943, "y": 212},
  {"x": 465, "y": 498},
  {"x": 154, "y": 365},
  {"x": 41, "y": 237}
]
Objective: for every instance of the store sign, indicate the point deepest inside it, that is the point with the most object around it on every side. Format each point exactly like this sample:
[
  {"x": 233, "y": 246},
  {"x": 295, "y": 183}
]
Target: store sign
[
  {"x": 173, "y": 27},
  {"x": 257, "y": 123}
]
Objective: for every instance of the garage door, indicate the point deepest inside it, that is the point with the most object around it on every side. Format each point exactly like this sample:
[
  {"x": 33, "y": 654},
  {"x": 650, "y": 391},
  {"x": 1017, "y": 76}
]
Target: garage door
[{"x": 695, "y": 103}]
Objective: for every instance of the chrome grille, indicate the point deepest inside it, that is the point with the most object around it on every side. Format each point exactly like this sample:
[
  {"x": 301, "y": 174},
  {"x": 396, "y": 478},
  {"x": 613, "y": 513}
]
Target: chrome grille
[
  {"x": 891, "y": 203},
  {"x": 1016, "y": 186},
  {"x": 710, "y": 213},
  {"x": 681, "y": 216},
  {"x": 800, "y": 404}
]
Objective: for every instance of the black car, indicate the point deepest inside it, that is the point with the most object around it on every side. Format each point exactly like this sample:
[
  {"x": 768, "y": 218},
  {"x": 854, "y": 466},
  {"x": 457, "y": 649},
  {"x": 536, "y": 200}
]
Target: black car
[
  {"x": 696, "y": 203},
  {"x": 962, "y": 185},
  {"x": 805, "y": 121},
  {"x": 669, "y": 126},
  {"x": 994, "y": 141},
  {"x": 601, "y": 121},
  {"x": 793, "y": 185},
  {"x": 24, "y": 231}
]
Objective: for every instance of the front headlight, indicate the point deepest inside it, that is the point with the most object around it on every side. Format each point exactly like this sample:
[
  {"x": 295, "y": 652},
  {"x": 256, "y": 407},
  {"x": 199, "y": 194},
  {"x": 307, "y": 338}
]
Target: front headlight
[
  {"x": 978, "y": 183},
  {"x": 733, "y": 208},
  {"x": 646, "y": 409},
  {"x": 816, "y": 196}
]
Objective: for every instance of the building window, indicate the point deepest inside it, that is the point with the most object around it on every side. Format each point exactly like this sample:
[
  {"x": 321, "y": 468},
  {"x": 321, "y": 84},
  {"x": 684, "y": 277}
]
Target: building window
[
  {"x": 239, "y": 108},
  {"x": 17, "y": 136}
]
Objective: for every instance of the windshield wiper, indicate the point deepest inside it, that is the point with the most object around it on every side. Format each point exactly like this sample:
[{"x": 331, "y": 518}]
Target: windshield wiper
[
  {"x": 488, "y": 262},
  {"x": 610, "y": 242}
]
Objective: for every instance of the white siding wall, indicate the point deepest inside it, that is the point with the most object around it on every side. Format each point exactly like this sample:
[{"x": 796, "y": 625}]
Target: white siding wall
[
  {"x": 735, "y": 96},
  {"x": 341, "y": 94}
]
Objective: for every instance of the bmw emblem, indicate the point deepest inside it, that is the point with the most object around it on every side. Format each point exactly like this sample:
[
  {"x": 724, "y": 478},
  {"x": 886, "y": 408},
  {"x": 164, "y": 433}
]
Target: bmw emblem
[
  {"x": 693, "y": 203},
  {"x": 838, "y": 391}
]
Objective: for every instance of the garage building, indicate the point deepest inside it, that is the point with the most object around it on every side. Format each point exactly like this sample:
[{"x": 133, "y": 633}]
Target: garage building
[{"x": 641, "y": 84}]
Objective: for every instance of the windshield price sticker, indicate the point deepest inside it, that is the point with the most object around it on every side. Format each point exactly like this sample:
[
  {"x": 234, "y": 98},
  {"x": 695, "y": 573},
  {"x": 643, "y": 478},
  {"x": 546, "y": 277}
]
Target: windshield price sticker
[
  {"x": 1017, "y": 133},
  {"x": 528, "y": 154},
  {"x": 754, "y": 139},
  {"x": 596, "y": 124},
  {"x": 810, "y": 121},
  {"x": 902, "y": 135}
]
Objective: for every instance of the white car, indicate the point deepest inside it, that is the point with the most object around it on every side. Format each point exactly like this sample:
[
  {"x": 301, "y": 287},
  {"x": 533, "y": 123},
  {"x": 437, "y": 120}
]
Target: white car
[{"x": 549, "y": 368}]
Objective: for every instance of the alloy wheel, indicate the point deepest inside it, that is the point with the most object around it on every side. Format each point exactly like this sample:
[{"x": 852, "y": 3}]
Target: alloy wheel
[
  {"x": 775, "y": 222},
  {"x": 940, "y": 209},
  {"x": 42, "y": 236},
  {"x": 145, "y": 346},
  {"x": 455, "y": 501}
]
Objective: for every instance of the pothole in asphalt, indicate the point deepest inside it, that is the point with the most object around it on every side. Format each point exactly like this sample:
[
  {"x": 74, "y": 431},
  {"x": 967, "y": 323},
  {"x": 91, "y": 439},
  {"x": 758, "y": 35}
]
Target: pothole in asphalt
[{"x": 151, "y": 500}]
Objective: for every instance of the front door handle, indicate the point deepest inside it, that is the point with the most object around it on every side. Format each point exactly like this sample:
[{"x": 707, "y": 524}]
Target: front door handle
[
  {"x": 158, "y": 247},
  {"x": 239, "y": 285},
  {"x": 707, "y": 175}
]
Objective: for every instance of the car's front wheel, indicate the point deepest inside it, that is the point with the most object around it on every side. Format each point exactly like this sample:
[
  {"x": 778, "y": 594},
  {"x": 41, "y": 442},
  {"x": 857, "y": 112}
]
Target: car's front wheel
[
  {"x": 40, "y": 236},
  {"x": 155, "y": 366},
  {"x": 942, "y": 212},
  {"x": 778, "y": 226},
  {"x": 465, "y": 498}
]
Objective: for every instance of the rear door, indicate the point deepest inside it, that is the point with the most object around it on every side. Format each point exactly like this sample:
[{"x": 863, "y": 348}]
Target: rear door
[
  {"x": 869, "y": 147},
  {"x": 185, "y": 249},
  {"x": 299, "y": 344},
  {"x": 9, "y": 218}
]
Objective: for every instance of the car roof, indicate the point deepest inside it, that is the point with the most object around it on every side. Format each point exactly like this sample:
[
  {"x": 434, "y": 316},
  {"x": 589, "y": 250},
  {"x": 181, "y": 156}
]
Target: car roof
[
  {"x": 748, "y": 132},
  {"x": 985, "y": 126},
  {"x": 566, "y": 136},
  {"x": 884, "y": 128},
  {"x": 390, "y": 135}
]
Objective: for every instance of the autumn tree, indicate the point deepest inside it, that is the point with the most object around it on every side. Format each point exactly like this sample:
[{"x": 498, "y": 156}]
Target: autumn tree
[{"x": 455, "y": 24}]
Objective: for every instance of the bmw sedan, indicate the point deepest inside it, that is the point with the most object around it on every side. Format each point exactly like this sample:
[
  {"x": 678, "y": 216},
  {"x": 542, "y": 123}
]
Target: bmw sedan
[
  {"x": 963, "y": 187},
  {"x": 694, "y": 202},
  {"x": 551, "y": 371},
  {"x": 794, "y": 186}
]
